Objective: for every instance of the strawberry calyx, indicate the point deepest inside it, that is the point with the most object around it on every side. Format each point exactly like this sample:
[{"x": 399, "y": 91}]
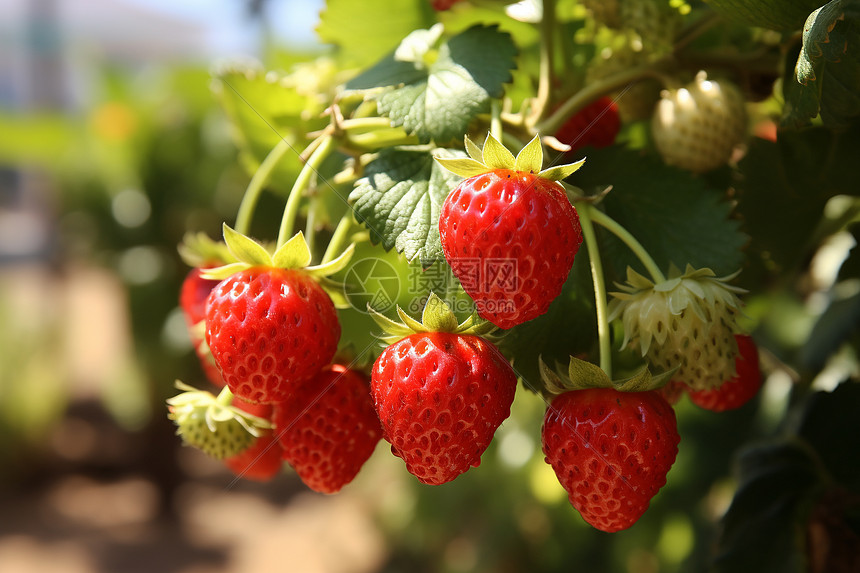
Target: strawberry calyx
[
  {"x": 295, "y": 254},
  {"x": 582, "y": 374},
  {"x": 494, "y": 156},
  {"x": 437, "y": 316},
  {"x": 213, "y": 424}
]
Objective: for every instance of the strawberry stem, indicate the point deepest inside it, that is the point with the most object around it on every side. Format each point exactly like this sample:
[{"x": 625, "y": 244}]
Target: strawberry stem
[
  {"x": 547, "y": 50},
  {"x": 496, "y": 120},
  {"x": 338, "y": 239},
  {"x": 256, "y": 185},
  {"x": 225, "y": 397},
  {"x": 597, "y": 89},
  {"x": 311, "y": 168},
  {"x": 585, "y": 214},
  {"x": 634, "y": 245}
]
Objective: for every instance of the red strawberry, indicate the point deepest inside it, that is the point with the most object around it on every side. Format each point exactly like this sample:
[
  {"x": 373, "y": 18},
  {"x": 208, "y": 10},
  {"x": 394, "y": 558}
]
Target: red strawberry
[
  {"x": 597, "y": 125},
  {"x": 270, "y": 323},
  {"x": 192, "y": 299},
  {"x": 262, "y": 460},
  {"x": 269, "y": 330},
  {"x": 739, "y": 390},
  {"x": 440, "y": 397},
  {"x": 509, "y": 233},
  {"x": 328, "y": 429},
  {"x": 442, "y": 5},
  {"x": 611, "y": 451}
]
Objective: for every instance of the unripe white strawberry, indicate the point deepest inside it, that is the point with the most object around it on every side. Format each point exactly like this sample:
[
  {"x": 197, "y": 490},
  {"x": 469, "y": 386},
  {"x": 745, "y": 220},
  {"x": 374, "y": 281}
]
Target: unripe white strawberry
[
  {"x": 654, "y": 22},
  {"x": 687, "y": 321},
  {"x": 698, "y": 126}
]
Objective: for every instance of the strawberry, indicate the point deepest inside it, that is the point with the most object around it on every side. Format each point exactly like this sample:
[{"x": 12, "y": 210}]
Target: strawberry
[
  {"x": 508, "y": 231},
  {"x": 597, "y": 125},
  {"x": 192, "y": 299},
  {"x": 328, "y": 429},
  {"x": 611, "y": 451},
  {"x": 440, "y": 393},
  {"x": 697, "y": 127},
  {"x": 271, "y": 326},
  {"x": 741, "y": 388},
  {"x": 212, "y": 424},
  {"x": 201, "y": 253},
  {"x": 262, "y": 460},
  {"x": 687, "y": 321}
]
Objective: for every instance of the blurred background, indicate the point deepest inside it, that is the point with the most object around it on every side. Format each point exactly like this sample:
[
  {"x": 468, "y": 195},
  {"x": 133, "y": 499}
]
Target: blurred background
[{"x": 112, "y": 145}]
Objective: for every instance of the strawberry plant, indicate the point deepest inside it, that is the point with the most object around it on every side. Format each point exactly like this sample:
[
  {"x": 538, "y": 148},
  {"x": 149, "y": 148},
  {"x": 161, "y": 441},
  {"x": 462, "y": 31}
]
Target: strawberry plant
[{"x": 532, "y": 179}]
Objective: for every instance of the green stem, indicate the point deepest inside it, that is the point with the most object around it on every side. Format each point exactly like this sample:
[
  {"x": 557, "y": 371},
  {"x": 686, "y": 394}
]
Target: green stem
[
  {"x": 496, "y": 120},
  {"x": 225, "y": 397},
  {"x": 595, "y": 90},
  {"x": 338, "y": 239},
  {"x": 325, "y": 147},
  {"x": 547, "y": 38},
  {"x": 255, "y": 186},
  {"x": 616, "y": 229},
  {"x": 310, "y": 223},
  {"x": 585, "y": 211}
]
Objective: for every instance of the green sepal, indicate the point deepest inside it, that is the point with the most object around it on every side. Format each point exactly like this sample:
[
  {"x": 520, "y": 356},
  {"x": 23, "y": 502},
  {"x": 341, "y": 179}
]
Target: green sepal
[
  {"x": 582, "y": 375},
  {"x": 437, "y": 316},
  {"x": 462, "y": 166},
  {"x": 530, "y": 157},
  {"x": 294, "y": 254},
  {"x": 494, "y": 156},
  {"x": 334, "y": 266},
  {"x": 246, "y": 249},
  {"x": 198, "y": 250},
  {"x": 559, "y": 172}
]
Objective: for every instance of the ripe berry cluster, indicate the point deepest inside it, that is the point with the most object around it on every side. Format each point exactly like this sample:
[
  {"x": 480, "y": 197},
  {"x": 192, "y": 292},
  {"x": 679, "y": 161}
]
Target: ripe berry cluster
[{"x": 266, "y": 327}]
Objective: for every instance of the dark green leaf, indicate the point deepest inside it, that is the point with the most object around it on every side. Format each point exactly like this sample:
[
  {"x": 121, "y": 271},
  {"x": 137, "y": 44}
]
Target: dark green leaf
[
  {"x": 400, "y": 198},
  {"x": 827, "y": 75},
  {"x": 834, "y": 327},
  {"x": 784, "y": 186},
  {"x": 676, "y": 216},
  {"x": 830, "y": 425},
  {"x": 763, "y": 528},
  {"x": 774, "y": 14},
  {"x": 367, "y": 30}
]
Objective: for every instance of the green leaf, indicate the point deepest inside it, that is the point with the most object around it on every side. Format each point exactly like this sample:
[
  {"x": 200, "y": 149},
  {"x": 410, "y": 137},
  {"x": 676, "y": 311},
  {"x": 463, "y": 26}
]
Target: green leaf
[
  {"x": 676, "y": 216},
  {"x": 400, "y": 198},
  {"x": 263, "y": 109},
  {"x": 559, "y": 172},
  {"x": 436, "y": 101},
  {"x": 775, "y": 482},
  {"x": 799, "y": 174},
  {"x": 774, "y": 14},
  {"x": 827, "y": 74},
  {"x": 365, "y": 31},
  {"x": 833, "y": 328}
]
